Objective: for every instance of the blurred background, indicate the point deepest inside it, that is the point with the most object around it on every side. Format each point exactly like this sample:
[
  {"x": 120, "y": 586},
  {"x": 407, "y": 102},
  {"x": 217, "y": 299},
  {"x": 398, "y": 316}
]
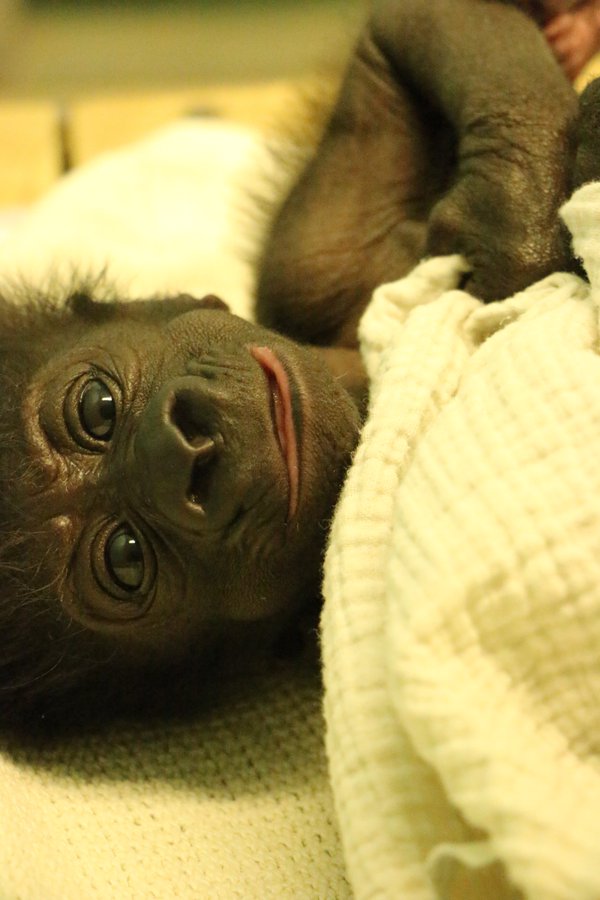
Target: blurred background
[
  {"x": 75, "y": 48},
  {"x": 82, "y": 77}
]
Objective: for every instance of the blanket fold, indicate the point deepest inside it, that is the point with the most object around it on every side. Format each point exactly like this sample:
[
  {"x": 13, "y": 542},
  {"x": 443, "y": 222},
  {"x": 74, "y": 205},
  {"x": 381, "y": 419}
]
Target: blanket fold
[{"x": 461, "y": 630}]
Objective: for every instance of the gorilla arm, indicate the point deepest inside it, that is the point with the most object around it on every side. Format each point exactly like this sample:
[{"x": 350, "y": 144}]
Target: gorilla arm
[
  {"x": 442, "y": 139},
  {"x": 513, "y": 114}
]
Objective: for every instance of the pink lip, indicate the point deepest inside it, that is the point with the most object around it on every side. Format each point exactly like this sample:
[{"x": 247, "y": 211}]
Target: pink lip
[{"x": 283, "y": 421}]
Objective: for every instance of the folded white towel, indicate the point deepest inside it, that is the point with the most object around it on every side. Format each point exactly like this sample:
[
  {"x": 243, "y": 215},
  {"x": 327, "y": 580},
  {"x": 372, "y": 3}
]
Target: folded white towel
[{"x": 461, "y": 630}]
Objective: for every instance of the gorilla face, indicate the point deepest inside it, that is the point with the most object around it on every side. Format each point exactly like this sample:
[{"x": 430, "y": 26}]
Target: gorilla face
[{"x": 183, "y": 465}]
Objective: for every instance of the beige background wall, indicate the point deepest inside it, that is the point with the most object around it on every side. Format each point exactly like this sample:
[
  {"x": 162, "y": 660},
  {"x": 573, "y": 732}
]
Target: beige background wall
[
  {"x": 71, "y": 49},
  {"x": 78, "y": 78}
]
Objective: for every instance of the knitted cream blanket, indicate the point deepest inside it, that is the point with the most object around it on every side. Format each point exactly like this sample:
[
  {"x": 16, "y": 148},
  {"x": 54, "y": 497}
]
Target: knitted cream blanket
[{"x": 461, "y": 631}]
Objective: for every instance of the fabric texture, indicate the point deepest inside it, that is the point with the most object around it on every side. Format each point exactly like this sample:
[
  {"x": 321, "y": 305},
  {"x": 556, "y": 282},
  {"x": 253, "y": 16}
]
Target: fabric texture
[
  {"x": 461, "y": 627},
  {"x": 235, "y": 803}
]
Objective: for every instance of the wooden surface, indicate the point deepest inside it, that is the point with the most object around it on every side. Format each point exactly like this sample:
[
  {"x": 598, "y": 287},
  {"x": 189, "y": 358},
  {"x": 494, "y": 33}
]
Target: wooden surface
[
  {"x": 104, "y": 123},
  {"x": 30, "y": 157},
  {"x": 38, "y": 139}
]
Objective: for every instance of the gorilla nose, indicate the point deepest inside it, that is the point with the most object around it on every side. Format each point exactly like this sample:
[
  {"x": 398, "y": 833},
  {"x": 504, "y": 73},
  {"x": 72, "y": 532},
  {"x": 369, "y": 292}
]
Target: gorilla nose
[{"x": 176, "y": 453}]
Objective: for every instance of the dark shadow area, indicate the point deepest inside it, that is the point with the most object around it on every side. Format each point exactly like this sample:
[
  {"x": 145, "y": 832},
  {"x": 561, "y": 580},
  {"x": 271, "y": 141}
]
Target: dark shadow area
[{"x": 269, "y": 723}]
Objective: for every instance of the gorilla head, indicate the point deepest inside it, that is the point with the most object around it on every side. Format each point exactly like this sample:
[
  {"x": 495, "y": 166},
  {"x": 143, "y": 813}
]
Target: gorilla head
[{"x": 168, "y": 473}]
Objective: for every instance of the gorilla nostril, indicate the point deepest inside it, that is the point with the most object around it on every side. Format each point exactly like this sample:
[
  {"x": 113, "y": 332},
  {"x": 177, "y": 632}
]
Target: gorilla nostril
[
  {"x": 204, "y": 447},
  {"x": 199, "y": 486},
  {"x": 185, "y": 415}
]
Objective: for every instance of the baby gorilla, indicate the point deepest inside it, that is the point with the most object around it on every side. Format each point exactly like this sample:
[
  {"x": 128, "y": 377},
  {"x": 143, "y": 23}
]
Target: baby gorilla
[
  {"x": 168, "y": 495},
  {"x": 168, "y": 469}
]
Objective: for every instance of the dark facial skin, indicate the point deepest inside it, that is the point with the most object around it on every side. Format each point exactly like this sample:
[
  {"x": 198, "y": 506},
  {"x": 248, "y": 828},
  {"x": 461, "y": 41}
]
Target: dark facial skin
[{"x": 170, "y": 506}]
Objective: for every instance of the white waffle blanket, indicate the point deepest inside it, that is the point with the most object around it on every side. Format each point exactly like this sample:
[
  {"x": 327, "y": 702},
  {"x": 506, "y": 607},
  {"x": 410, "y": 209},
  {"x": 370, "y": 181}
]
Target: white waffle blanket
[{"x": 461, "y": 629}]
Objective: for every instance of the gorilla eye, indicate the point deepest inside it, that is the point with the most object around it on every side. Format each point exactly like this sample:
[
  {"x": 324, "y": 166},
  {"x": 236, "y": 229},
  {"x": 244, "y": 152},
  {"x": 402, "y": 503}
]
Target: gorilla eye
[
  {"x": 124, "y": 559},
  {"x": 97, "y": 410},
  {"x": 123, "y": 571}
]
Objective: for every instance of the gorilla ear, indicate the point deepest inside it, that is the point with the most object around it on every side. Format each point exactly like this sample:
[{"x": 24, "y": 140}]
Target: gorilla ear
[
  {"x": 209, "y": 301},
  {"x": 176, "y": 304},
  {"x": 83, "y": 305}
]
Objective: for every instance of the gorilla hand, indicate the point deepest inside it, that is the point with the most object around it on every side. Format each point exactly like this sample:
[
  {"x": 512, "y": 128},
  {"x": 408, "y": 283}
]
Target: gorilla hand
[{"x": 513, "y": 115}]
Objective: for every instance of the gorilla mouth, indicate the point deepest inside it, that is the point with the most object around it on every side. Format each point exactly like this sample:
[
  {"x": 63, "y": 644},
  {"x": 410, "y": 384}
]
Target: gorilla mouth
[{"x": 282, "y": 417}]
